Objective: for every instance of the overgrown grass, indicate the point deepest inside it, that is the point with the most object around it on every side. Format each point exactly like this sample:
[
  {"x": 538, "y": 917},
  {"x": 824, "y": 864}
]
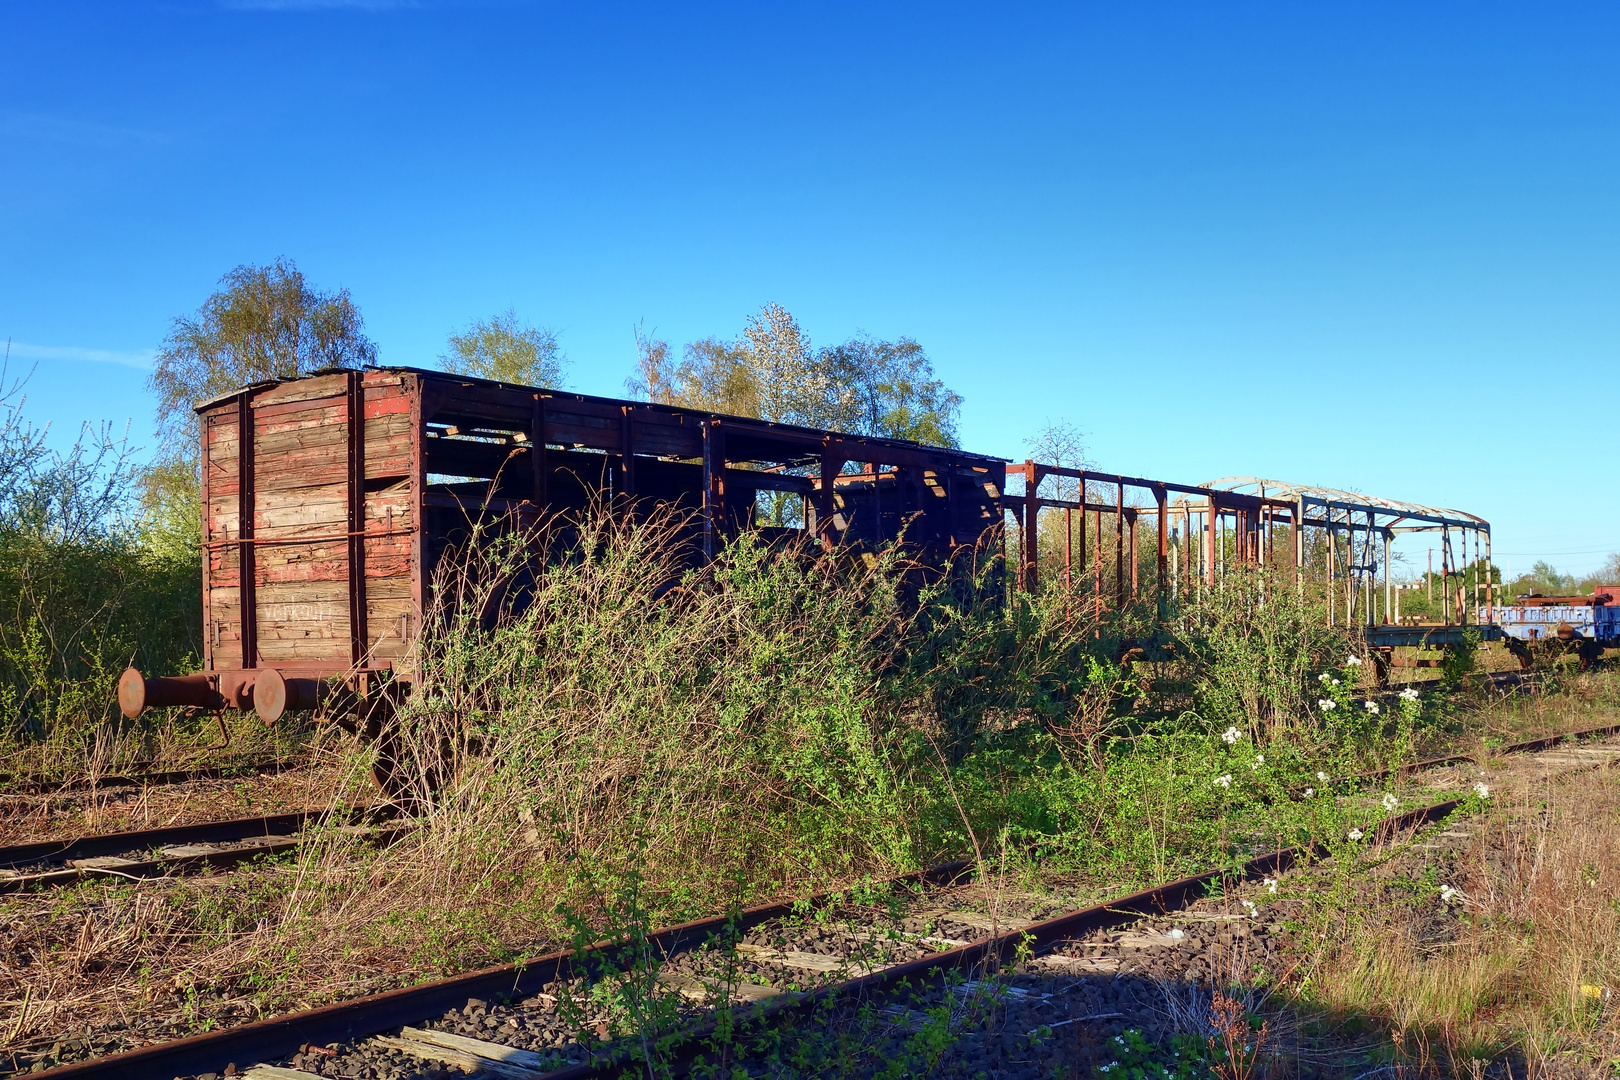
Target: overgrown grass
[
  {"x": 1506, "y": 953},
  {"x": 594, "y": 713}
]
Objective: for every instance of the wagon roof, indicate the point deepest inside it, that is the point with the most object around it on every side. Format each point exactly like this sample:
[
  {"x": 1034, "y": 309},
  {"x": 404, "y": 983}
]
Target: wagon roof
[{"x": 755, "y": 425}]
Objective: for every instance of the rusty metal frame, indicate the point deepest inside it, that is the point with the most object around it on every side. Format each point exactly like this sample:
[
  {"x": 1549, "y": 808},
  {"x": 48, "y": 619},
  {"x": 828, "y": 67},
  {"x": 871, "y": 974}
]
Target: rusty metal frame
[
  {"x": 359, "y": 640},
  {"x": 246, "y": 561}
]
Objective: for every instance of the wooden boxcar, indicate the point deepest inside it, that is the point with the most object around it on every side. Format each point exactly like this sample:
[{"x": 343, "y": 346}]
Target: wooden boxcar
[{"x": 327, "y": 501}]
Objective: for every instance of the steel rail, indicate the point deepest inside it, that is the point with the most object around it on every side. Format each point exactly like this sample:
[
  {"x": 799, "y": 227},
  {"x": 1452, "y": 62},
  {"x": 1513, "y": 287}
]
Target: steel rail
[
  {"x": 149, "y": 779},
  {"x": 1039, "y": 938},
  {"x": 283, "y": 1035},
  {"x": 235, "y": 830},
  {"x": 367, "y": 1016}
]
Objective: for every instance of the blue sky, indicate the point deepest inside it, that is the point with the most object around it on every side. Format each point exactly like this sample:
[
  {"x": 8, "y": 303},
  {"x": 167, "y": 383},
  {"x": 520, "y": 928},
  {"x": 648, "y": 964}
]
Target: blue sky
[{"x": 1367, "y": 246}]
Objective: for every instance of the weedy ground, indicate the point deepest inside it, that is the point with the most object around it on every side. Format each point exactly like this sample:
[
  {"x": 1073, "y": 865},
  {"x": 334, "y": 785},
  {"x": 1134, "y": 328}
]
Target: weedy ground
[
  {"x": 1504, "y": 957},
  {"x": 772, "y": 725}
]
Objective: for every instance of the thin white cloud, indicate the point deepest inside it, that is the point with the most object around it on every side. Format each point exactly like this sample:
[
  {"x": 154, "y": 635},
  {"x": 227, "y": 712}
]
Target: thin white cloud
[
  {"x": 318, "y": 5},
  {"x": 141, "y": 358},
  {"x": 61, "y": 129}
]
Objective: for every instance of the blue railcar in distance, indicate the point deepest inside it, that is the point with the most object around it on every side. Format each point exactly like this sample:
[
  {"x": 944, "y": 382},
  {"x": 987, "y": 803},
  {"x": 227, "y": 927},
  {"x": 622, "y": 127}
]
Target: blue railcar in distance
[{"x": 1586, "y": 623}]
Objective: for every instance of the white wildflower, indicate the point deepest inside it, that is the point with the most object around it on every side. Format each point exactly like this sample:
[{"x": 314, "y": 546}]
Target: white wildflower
[
  {"x": 1224, "y": 780},
  {"x": 1324, "y": 677},
  {"x": 1482, "y": 789},
  {"x": 1176, "y": 935},
  {"x": 1322, "y": 776},
  {"x": 1259, "y": 760},
  {"x": 1271, "y": 885},
  {"x": 1354, "y": 661},
  {"x": 1230, "y": 736},
  {"x": 1310, "y": 793},
  {"x": 1371, "y": 706},
  {"x": 1334, "y": 682},
  {"x": 1391, "y": 802},
  {"x": 1356, "y": 834},
  {"x": 1448, "y": 894},
  {"x": 1248, "y": 906},
  {"x": 1409, "y": 694},
  {"x": 1327, "y": 704}
]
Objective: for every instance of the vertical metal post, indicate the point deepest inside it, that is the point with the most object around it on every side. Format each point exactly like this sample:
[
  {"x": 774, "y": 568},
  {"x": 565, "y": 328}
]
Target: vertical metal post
[
  {"x": 1490, "y": 581},
  {"x": 537, "y": 455},
  {"x": 1369, "y": 580},
  {"x": 1211, "y": 562},
  {"x": 1473, "y": 602},
  {"x": 1119, "y": 544},
  {"x": 1032, "y": 525},
  {"x": 1298, "y": 529},
  {"x": 627, "y": 456},
  {"x": 246, "y": 572},
  {"x": 1445, "y": 575},
  {"x": 1161, "y": 495},
  {"x": 355, "y": 405},
  {"x": 1178, "y": 539},
  {"x": 1189, "y": 549},
  {"x": 1080, "y": 497},
  {"x": 1134, "y": 561},
  {"x": 1097, "y": 590},
  {"x": 832, "y": 463},
  {"x": 877, "y": 506},
  {"x": 1389, "y": 588},
  {"x": 714, "y": 490},
  {"x": 1068, "y": 549},
  {"x": 1332, "y": 565}
]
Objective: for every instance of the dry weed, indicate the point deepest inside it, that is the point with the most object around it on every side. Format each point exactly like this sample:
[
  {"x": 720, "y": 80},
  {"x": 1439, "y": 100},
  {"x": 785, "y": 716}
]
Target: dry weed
[{"x": 1518, "y": 965}]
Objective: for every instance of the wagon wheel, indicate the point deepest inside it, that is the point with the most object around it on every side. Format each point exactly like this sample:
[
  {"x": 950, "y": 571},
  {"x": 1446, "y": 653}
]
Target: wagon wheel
[{"x": 410, "y": 777}]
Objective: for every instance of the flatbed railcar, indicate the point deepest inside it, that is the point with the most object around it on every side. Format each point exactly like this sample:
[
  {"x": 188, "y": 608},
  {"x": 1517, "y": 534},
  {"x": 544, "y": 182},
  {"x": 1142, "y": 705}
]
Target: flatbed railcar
[
  {"x": 328, "y": 501},
  {"x": 1583, "y": 624}
]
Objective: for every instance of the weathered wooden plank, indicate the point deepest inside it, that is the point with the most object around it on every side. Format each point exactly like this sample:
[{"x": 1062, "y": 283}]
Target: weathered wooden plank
[
  {"x": 394, "y": 401},
  {"x": 311, "y": 592},
  {"x": 380, "y": 566},
  {"x": 291, "y": 625},
  {"x": 302, "y": 468},
  {"x": 307, "y": 414},
  {"x": 326, "y": 652},
  {"x": 302, "y": 390},
  {"x": 282, "y": 514},
  {"x": 392, "y": 587},
  {"x": 267, "y": 445},
  {"x": 446, "y": 401}
]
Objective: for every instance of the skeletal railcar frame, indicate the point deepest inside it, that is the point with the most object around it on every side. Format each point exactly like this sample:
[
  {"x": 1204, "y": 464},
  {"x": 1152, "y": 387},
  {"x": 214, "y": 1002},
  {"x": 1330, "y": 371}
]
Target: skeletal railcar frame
[{"x": 328, "y": 501}]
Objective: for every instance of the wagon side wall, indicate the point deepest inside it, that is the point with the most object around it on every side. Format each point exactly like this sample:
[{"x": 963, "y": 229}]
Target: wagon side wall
[{"x": 324, "y": 519}]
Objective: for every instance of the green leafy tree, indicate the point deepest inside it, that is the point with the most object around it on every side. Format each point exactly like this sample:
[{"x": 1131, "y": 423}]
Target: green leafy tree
[
  {"x": 508, "y": 350},
  {"x": 772, "y": 371},
  {"x": 713, "y": 374},
  {"x": 896, "y": 393},
  {"x": 266, "y": 322}
]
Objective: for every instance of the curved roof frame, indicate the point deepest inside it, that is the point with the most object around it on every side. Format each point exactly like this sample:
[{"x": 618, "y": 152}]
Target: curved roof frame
[{"x": 1424, "y": 517}]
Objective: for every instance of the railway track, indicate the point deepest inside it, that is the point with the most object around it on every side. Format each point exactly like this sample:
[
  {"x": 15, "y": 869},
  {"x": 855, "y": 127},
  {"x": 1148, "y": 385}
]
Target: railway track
[
  {"x": 777, "y": 961},
  {"x": 150, "y": 853},
  {"x": 13, "y": 785}
]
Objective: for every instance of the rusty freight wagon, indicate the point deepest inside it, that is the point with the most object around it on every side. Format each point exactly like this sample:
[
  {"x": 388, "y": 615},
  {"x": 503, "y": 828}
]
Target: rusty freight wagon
[{"x": 327, "y": 501}]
